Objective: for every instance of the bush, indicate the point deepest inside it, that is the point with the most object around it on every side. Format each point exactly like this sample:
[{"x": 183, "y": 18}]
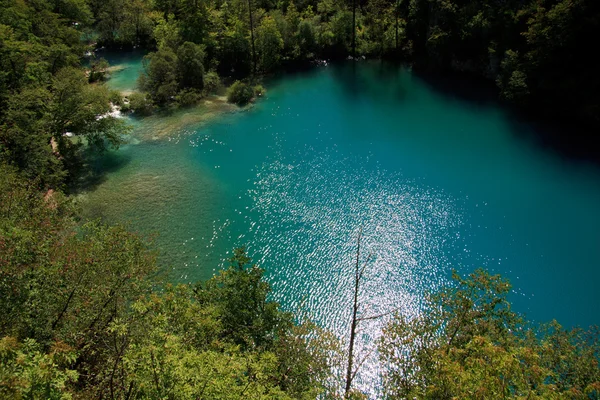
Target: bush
[
  {"x": 188, "y": 97},
  {"x": 98, "y": 70},
  {"x": 240, "y": 93},
  {"x": 259, "y": 90},
  {"x": 116, "y": 98},
  {"x": 212, "y": 83},
  {"x": 140, "y": 103}
]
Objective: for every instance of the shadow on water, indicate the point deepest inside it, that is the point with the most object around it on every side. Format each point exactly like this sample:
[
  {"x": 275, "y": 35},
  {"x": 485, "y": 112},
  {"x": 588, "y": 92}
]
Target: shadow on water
[
  {"x": 96, "y": 168},
  {"x": 382, "y": 79},
  {"x": 566, "y": 138},
  {"x": 461, "y": 87}
]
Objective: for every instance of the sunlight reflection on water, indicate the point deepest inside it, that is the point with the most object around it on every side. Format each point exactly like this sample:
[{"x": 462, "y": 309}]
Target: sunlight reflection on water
[{"x": 309, "y": 215}]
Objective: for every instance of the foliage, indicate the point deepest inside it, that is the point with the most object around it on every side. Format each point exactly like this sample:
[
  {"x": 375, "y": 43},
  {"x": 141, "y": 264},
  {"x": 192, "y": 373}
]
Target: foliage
[
  {"x": 84, "y": 318},
  {"x": 28, "y": 372},
  {"x": 467, "y": 343},
  {"x": 98, "y": 70},
  {"x": 188, "y": 97},
  {"x": 49, "y": 113},
  {"x": 240, "y": 93},
  {"x": 268, "y": 43},
  {"x": 212, "y": 82},
  {"x": 189, "y": 66},
  {"x": 59, "y": 281},
  {"x": 534, "y": 50},
  {"x": 160, "y": 76},
  {"x": 140, "y": 104},
  {"x": 259, "y": 90}
]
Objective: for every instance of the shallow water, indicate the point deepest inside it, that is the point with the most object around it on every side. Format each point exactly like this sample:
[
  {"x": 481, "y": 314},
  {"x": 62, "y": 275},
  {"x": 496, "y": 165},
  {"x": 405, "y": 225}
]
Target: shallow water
[
  {"x": 435, "y": 182},
  {"x": 125, "y": 68}
]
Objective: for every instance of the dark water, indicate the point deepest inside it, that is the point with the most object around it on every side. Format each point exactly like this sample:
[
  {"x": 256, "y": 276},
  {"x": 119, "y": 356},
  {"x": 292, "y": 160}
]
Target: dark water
[{"x": 435, "y": 182}]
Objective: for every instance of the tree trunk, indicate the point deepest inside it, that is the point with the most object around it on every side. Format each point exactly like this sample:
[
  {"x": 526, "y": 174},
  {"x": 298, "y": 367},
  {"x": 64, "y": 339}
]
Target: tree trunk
[
  {"x": 396, "y": 28},
  {"x": 252, "y": 37},
  {"x": 357, "y": 276},
  {"x": 354, "y": 29}
]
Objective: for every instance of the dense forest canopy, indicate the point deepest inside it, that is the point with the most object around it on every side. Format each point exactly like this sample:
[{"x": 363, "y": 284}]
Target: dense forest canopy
[
  {"x": 536, "y": 51},
  {"x": 85, "y": 311}
]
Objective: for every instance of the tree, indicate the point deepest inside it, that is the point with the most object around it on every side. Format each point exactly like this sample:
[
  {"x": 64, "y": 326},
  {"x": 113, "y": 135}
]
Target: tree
[
  {"x": 341, "y": 26},
  {"x": 193, "y": 17},
  {"x": 252, "y": 36},
  {"x": 137, "y": 25},
  {"x": 28, "y": 372},
  {"x": 236, "y": 57},
  {"x": 269, "y": 43},
  {"x": 80, "y": 109},
  {"x": 25, "y": 138},
  {"x": 306, "y": 39},
  {"x": 166, "y": 33},
  {"x": 190, "y": 68},
  {"x": 467, "y": 343},
  {"x": 241, "y": 295},
  {"x": 110, "y": 18},
  {"x": 62, "y": 282},
  {"x": 160, "y": 76},
  {"x": 359, "y": 272}
]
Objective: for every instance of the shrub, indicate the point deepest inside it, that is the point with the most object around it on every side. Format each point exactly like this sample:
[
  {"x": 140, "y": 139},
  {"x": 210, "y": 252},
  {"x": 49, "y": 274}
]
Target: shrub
[
  {"x": 98, "y": 70},
  {"x": 259, "y": 90},
  {"x": 240, "y": 93},
  {"x": 188, "y": 97},
  {"x": 212, "y": 82},
  {"x": 140, "y": 103},
  {"x": 116, "y": 98}
]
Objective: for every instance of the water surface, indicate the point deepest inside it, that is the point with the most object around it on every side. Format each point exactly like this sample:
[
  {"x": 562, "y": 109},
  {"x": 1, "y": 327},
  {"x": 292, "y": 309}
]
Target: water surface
[
  {"x": 435, "y": 182},
  {"x": 125, "y": 68}
]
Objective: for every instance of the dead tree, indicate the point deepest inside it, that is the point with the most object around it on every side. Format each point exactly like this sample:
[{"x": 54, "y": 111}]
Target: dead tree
[{"x": 358, "y": 276}]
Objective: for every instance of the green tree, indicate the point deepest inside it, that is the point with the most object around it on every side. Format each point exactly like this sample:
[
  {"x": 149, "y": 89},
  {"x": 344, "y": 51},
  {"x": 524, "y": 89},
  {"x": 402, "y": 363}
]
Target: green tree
[
  {"x": 137, "y": 25},
  {"x": 269, "y": 44},
  {"x": 307, "y": 38},
  {"x": 190, "y": 68},
  {"x": 241, "y": 295},
  {"x": 25, "y": 137},
  {"x": 167, "y": 33},
  {"x": 467, "y": 343},
  {"x": 81, "y": 110},
  {"x": 240, "y": 93},
  {"x": 160, "y": 76},
  {"x": 63, "y": 282},
  {"x": 234, "y": 53},
  {"x": 29, "y": 373}
]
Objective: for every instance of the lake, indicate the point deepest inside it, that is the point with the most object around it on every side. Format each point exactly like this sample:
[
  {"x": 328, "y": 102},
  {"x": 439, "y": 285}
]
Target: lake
[{"x": 435, "y": 181}]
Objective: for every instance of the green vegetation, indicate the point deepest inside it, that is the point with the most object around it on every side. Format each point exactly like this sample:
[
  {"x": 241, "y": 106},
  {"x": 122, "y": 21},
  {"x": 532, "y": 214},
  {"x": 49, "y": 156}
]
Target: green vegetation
[
  {"x": 84, "y": 313},
  {"x": 467, "y": 343},
  {"x": 49, "y": 113},
  {"x": 85, "y": 316},
  {"x": 242, "y": 93},
  {"x": 535, "y": 50}
]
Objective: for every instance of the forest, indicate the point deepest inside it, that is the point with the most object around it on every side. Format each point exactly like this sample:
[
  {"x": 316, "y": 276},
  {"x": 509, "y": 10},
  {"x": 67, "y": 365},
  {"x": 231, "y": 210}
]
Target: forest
[{"x": 86, "y": 310}]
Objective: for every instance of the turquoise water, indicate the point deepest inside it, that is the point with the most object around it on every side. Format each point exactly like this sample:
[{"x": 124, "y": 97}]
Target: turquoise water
[
  {"x": 129, "y": 66},
  {"x": 434, "y": 181}
]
